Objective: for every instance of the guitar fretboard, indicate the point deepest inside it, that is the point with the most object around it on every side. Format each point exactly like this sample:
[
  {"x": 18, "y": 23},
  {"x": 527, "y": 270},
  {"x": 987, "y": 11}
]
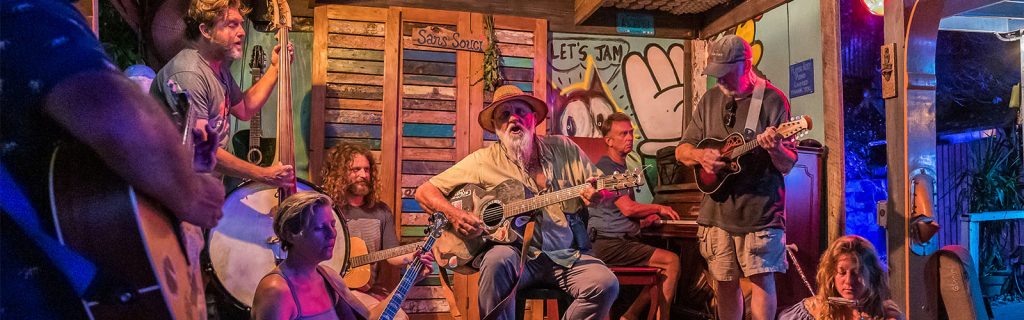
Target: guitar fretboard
[
  {"x": 255, "y": 124},
  {"x": 519, "y": 207},
  {"x": 384, "y": 254},
  {"x": 408, "y": 280},
  {"x": 786, "y": 130}
]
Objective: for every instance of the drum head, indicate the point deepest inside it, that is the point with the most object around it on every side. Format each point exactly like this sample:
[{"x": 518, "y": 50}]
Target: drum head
[{"x": 240, "y": 251}]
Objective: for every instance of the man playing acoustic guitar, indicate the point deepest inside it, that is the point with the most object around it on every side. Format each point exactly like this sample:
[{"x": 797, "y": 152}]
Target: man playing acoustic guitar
[
  {"x": 742, "y": 223},
  {"x": 350, "y": 177},
  {"x": 548, "y": 163}
]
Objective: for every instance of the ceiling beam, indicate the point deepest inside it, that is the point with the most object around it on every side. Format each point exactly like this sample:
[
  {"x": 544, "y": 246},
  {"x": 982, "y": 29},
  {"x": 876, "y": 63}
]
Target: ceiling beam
[
  {"x": 585, "y": 8},
  {"x": 722, "y": 18}
]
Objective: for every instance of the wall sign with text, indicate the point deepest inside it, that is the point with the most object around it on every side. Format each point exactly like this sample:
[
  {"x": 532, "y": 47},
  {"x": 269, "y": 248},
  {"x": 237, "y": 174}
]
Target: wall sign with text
[
  {"x": 801, "y": 78},
  {"x": 438, "y": 37}
]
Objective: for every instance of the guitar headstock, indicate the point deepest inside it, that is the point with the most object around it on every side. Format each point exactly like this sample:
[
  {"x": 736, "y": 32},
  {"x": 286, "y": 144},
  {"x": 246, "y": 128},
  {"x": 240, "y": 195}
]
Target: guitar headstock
[
  {"x": 282, "y": 15},
  {"x": 798, "y": 125},
  {"x": 630, "y": 179},
  {"x": 259, "y": 58},
  {"x": 437, "y": 223}
]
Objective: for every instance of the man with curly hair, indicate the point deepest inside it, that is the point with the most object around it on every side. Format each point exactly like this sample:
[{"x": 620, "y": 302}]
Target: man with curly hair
[
  {"x": 350, "y": 178},
  {"x": 215, "y": 31}
]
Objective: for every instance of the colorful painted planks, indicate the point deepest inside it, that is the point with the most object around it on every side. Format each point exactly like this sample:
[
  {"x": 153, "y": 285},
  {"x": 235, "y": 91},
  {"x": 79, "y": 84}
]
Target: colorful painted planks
[
  {"x": 351, "y": 91},
  {"x": 413, "y": 142},
  {"x": 355, "y": 104},
  {"x": 373, "y": 144},
  {"x": 424, "y": 154},
  {"x": 334, "y": 130},
  {"x": 356, "y": 28},
  {"x": 423, "y": 116},
  {"x": 352, "y": 116},
  {"x": 427, "y": 130}
]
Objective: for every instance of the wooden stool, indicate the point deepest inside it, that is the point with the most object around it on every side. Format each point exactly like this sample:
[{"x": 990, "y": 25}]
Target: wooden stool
[
  {"x": 642, "y": 276},
  {"x": 555, "y": 303}
]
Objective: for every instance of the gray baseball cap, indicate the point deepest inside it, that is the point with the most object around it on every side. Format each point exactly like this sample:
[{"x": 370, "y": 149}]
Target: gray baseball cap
[{"x": 726, "y": 53}]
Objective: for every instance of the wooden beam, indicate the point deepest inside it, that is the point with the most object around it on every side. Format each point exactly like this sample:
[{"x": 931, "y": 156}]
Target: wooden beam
[
  {"x": 560, "y": 14},
  {"x": 832, "y": 92},
  {"x": 585, "y": 8},
  {"x": 722, "y": 18},
  {"x": 319, "y": 94}
]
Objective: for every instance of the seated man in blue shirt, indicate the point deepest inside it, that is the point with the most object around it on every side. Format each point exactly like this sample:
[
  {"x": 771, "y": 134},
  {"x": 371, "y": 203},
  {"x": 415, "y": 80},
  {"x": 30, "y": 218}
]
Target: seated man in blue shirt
[{"x": 615, "y": 222}]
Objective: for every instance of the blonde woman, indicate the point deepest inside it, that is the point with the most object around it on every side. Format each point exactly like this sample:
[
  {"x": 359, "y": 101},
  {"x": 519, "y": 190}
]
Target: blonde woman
[
  {"x": 301, "y": 288},
  {"x": 851, "y": 285}
]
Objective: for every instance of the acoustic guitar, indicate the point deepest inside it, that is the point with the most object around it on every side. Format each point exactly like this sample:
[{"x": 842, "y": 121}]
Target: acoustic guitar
[
  {"x": 249, "y": 144},
  {"x": 359, "y": 273},
  {"x": 502, "y": 204},
  {"x": 733, "y": 148},
  {"x": 149, "y": 258}
]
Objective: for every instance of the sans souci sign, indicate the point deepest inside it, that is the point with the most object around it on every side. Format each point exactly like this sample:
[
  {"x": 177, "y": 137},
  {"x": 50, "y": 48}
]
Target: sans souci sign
[{"x": 438, "y": 37}]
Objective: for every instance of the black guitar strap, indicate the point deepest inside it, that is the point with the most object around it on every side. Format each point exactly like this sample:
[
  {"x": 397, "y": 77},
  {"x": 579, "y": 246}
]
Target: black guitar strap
[{"x": 527, "y": 236}]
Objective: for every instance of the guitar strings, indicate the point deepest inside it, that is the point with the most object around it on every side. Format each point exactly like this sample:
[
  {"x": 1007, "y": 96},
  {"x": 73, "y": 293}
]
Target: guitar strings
[{"x": 495, "y": 212}]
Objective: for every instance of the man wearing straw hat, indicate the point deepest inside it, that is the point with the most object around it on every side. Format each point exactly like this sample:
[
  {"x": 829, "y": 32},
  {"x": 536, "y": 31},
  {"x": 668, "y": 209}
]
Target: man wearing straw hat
[{"x": 542, "y": 164}]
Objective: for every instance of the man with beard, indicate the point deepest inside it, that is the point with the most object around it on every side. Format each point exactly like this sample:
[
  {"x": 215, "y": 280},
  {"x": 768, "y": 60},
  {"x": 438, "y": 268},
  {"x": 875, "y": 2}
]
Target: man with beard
[
  {"x": 742, "y": 224},
  {"x": 542, "y": 164},
  {"x": 216, "y": 30},
  {"x": 350, "y": 178}
]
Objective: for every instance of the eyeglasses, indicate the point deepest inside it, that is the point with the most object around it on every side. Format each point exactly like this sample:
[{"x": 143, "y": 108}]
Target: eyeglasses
[{"x": 729, "y": 118}]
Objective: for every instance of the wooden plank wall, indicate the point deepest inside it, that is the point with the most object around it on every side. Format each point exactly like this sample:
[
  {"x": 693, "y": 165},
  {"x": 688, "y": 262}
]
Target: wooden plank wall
[
  {"x": 416, "y": 107},
  {"x": 428, "y": 115}
]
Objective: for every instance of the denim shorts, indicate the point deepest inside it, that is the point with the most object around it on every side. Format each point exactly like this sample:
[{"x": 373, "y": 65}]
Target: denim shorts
[{"x": 731, "y": 256}]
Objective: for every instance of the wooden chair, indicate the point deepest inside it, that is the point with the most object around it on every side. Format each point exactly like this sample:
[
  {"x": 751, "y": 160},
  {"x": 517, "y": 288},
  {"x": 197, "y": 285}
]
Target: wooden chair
[
  {"x": 555, "y": 302},
  {"x": 642, "y": 276}
]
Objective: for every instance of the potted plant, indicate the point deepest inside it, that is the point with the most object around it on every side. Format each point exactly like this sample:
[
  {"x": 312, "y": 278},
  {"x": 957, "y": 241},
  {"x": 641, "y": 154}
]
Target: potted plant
[{"x": 994, "y": 184}]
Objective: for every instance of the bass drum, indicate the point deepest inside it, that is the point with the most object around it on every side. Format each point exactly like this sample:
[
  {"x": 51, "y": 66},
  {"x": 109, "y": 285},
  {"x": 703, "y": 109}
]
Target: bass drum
[{"x": 241, "y": 250}]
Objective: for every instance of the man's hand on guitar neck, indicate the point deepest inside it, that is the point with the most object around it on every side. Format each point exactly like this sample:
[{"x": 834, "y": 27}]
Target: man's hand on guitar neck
[
  {"x": 769, "y": 139},
  {"x": 783, "y": 156}
]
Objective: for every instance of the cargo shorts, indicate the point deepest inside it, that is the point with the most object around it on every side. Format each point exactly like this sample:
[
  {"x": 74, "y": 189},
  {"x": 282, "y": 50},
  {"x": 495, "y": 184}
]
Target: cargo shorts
[{"x": 731, "y": 256}]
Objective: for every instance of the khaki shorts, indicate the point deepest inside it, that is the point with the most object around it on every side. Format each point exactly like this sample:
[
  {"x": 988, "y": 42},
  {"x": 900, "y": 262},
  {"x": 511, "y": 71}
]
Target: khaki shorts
[{"x": 731, "y": 256}]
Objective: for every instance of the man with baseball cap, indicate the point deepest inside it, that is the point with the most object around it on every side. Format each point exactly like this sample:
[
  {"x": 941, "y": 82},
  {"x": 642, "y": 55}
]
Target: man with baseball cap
[
  {"x": 742, "y": 224},
  {"x": 541, "y": 164}
]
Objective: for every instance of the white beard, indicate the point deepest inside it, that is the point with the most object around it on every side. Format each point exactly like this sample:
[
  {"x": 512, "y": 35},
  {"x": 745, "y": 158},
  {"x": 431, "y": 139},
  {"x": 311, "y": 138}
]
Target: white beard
[{"x": 518, "y": 146}]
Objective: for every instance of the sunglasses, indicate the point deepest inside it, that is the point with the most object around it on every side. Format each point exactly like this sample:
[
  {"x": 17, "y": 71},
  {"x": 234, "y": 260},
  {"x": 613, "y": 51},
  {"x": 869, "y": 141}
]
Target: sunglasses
[{"x": 729, "y": 118}]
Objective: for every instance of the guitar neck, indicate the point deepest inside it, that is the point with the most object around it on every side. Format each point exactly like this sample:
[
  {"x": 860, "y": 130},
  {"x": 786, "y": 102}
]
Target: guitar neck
[
  {"x": 527, "y": 205},
  {"x": 384, "y": 254},
  {"x": 743, "y": 149},
  {"x": 255, "y": 124},
  {"x": 408, "y": 280}
]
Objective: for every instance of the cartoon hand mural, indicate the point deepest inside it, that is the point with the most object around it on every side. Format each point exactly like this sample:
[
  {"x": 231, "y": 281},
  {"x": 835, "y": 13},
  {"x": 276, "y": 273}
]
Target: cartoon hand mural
[{"x": 655, "y": 85}]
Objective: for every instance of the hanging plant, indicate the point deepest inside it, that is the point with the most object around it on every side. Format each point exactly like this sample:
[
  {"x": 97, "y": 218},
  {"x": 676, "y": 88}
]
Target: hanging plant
[{"x": 491, "y": 76}]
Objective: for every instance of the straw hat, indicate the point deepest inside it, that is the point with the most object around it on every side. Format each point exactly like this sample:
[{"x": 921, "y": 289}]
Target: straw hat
[{"x": 508, "y": 93}]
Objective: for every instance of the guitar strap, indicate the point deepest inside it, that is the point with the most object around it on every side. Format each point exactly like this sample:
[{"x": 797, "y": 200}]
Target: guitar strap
[
  {"x": 527, "y": 236},
  {"x": 449, "y": 294},
  {"x": 754, "y": 111},
  {"x": 78, "y": 271}
]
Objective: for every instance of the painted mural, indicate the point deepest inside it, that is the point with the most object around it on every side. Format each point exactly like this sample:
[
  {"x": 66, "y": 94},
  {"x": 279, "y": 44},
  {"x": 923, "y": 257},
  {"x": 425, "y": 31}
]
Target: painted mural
[{"x": 595, "y": 76}]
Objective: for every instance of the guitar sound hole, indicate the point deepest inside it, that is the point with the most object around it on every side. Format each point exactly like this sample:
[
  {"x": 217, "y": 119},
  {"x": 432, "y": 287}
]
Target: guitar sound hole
[{"x": 491, "y": 215}]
